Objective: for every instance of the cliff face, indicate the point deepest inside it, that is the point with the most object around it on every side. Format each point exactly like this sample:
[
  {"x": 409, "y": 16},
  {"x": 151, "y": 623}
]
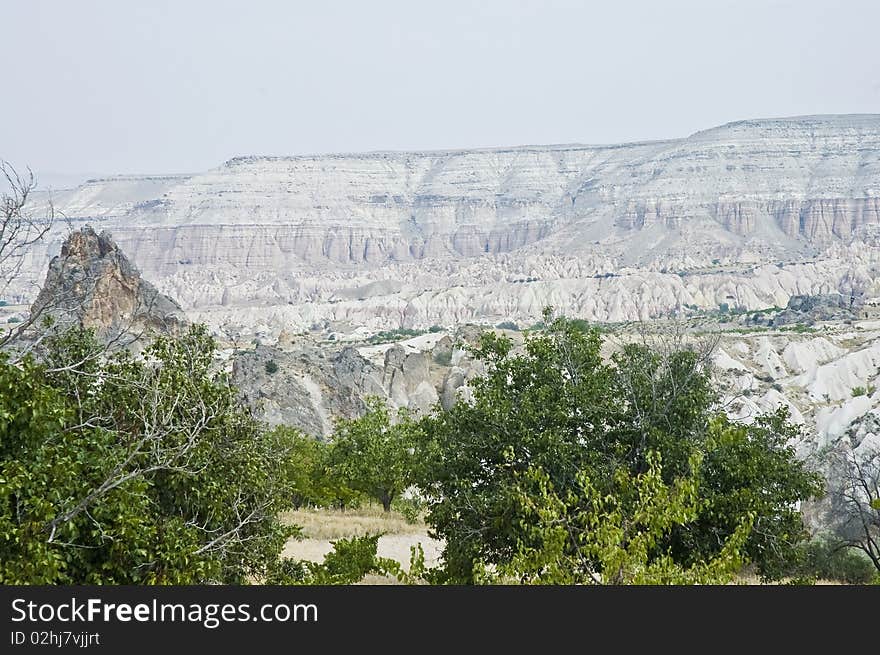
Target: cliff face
[
  {"x": 815, "y": 178},
  {"x": 307, "y": 384},
  {"x": 498, "y": 233},
  {"x": 92, "y": 283}
]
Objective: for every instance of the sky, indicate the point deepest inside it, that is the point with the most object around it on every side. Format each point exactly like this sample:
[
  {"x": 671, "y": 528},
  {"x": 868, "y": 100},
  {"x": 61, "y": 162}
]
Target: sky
[{"x": 93, "y": 87}]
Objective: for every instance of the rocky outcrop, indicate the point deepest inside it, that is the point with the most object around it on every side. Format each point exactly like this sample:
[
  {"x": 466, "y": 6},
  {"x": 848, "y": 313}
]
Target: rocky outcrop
[
  {"x": 282, "y": 389},
  {"x": 737, "y": 217},
  {"x": 93, "y": 284},
  {"x": 811, "y": 309},
  {"x": 308, "y": 383},
  {"x": 825, "y": 219}
]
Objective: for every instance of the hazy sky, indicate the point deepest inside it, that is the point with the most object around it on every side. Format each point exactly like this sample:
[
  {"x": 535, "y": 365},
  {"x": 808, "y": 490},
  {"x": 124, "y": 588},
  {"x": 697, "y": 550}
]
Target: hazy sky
[{"x": 176, "y": 86}]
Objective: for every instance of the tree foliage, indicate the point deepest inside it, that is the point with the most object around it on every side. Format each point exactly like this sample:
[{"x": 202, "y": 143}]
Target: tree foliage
[
  {"x": 308, "y": 471},
  {"x": 134, "y": 470},
  {"x": 589, "y": 537},
  {"x": 373, "y": 455},
  {"x": 751, "y": 470},
  {"x": 562, "y": 409}
]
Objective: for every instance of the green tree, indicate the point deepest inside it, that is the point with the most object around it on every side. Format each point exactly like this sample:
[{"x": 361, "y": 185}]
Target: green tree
[
  {"x": 669, "y": 406},
  {"x": 545, "y": 408},
  {"x": 588, "y": 537},
  {"x": 135, "y": 470},
  {"x": 557, "y": 406},
  {"x": 308, "y": 471},
  {"x": 373, "y": 455},
  {"x": 43, "y": 466},
  {"x": 751, "y": 470}
]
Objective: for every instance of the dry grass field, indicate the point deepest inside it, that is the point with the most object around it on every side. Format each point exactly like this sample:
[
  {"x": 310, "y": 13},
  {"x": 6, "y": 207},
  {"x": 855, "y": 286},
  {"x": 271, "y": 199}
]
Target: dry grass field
[{"x": 320, "y": 527}]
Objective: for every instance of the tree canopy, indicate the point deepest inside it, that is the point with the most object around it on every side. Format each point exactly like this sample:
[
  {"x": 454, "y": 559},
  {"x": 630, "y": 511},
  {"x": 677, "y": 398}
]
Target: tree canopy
[
  {"x": 373, "y": 455},
  {"x": 120, "y": 469},
  {"x": 569, "y": 415},
  {"x": 588, "y": 537}
]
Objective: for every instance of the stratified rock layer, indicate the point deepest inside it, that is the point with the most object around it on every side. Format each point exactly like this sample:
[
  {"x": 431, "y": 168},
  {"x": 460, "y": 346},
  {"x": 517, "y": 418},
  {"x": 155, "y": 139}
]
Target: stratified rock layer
[{"x": 262, "y": 243}]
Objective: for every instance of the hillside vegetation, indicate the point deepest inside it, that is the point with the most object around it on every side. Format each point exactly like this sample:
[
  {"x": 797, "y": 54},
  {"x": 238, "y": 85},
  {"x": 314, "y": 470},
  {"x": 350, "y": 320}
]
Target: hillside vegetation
[{"x": 564, "y": 467}]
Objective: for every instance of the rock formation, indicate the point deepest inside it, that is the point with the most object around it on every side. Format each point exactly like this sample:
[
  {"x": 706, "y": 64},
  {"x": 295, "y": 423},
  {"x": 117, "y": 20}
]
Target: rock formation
[
  {"x": 806, "y": 310},
  {"x": 308, "y": 383},
  {"x": 413, "y": 239},
  {"x": 93, "y": 284}
]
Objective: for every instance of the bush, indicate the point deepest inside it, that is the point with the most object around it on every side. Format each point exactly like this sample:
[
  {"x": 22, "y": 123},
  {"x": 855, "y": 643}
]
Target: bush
[
  {"x": 348, "y": 563},
  {"x": 508, "y": 325},
  {"x": 830, "y": 561},
  {"x": 411, "y": 507},
  {"x": 271, "y": 367}
]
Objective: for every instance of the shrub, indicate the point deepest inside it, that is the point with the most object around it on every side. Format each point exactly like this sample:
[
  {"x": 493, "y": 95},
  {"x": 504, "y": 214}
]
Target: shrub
[
  {"x": 830, "y": 561},
  {"x": 508, "y": 325},
  {"x": 348, "y": 563},
  {"x": 271, "y": 367},
  {"x": 411, "y": 507}
]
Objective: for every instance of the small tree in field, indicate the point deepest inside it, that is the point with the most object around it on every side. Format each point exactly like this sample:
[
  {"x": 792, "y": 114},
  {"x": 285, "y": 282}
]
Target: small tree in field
[
  {"x": 374, "y": 456},
  {"x": 307, "y": 470}
]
